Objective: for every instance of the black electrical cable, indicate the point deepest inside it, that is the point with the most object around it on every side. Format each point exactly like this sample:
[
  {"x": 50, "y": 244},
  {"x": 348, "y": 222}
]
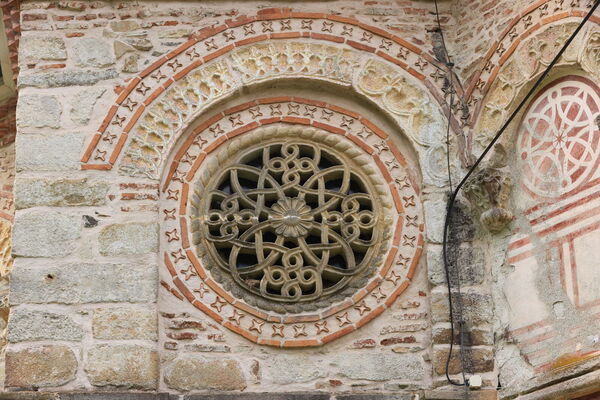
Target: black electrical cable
[
  {"x": 450, "y": 83},
  {"x": 452, "y": 200}
]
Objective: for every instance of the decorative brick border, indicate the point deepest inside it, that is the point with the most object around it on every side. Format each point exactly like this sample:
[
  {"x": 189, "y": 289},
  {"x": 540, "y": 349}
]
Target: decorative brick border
[
  {"x": 517, "y": 30},
  {"x": 192, "y": 282},
  {"x": 212, "y": 43}
]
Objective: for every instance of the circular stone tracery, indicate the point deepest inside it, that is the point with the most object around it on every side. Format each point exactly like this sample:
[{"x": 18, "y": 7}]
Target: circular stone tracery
[
  {"x": 292, "y": 220},
  {"x": 360, "y": 145}
]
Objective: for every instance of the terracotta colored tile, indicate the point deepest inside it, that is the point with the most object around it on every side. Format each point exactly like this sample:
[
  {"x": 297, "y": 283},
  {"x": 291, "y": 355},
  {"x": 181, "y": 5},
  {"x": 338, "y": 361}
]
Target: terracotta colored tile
[
  {"x": 268, "y": 121},
  {"x": 270, "y": 342},
  {"x": 239, "y": 21},
  {"x": 338, "y": 334},
  {"x": 250, "y": 310},
  {"x": 407, "y": 45},
  {"x": 98, "y": 167},
  {"x": 396, "y": 197},
  {"x": 324, "y": 36},
  {"x": 361, "y": 46},
  {"x": 301, "y": 343},
  {"x": 344, "y": 111},
  {"x": 392, "y": 297},
  {"x": 361, "y": 144},
  {"x": 185, "y": 190},
  {"x": 196, "y": 263},
  {"x": 316, "y": 103},
  {"x": 218, "y": 53},
  {"x": 556, "y": 17},
  {"x": 286, "y": 35},
  {"x": 134, "y": 118},
  {"x": 329, "y": 128},
  {"x": 388, "y": 262},
  {"x": 183, "y": 72},
  {"x": 271, "y": 100},
  {"x": 308, "y": 15},
  {"x": 416, "y": 74},
  {"x": 91, "y": 147},
  {"x": 398, "y": 231},
  {"x": 300, "y": 318},
  {"x": 169, "y": 264},
  {"x": 370, "y": 316},
  {"x": 239, "y": 108},
  {"x": 172, "y": 168},
  {"x": 181, "y": 48},
  {"x": 240, "y": 331},
  {"x": 373, "y": 128},
  {"x": 207, "y": 311},
  {"x": 153, "y": 95},
  {"x": 185, "y": 240},
  {"x": 296, "y": 120},
  {"x": 414, "y": 263},
  {"x": 344, "y": 20},
  {"x": 383, "y": 169},
  {"x": 211, "y": 147},
  {"x": 391, "y": 59},
  {"x": 197, "y": 162},
  {"x": 377, "y": 31},
  {"x": 249, "y": 40},
  {"x": 336, "y": 309},
  {"x": 242, "y": 129},
  {"x": 109, "y": 116},
  {"x": 123, "y": 95},
  {"x": 535, "y": 5},
  {"x": 397, "y": 155},
  {"x": 118, "y": 148},
  {"x": 153, "y": 66}
]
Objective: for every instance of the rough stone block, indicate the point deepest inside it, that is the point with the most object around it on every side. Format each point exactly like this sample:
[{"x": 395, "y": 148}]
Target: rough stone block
[
  {"x": 40, "y": 367},
  {"x": 128, "y": 366},
  {"x": 472, "y": 337},
  {"x": 66, "y": 78},
  {"x": 466, "y": 258},
  {"x": 129, "y": 239},
  {"x": 33, "y": 49},
  {"x": 293, "y": 369},
  {"x": 195, "y": 373},
  {"x": 477, "y": 306},
  {"x": 435, "y": 213},
  {"x": 124, "y": 323},
  {"x": 379, "y": 366},
  {"x": 261, "y": 396},
  {"x": 38, "y": 111},
  {"x": 124, "y": 26},
  {"x": 44, "y": 234},
  {"x": 36, "y": 192},
  {"x": 83, "y": 104},
  {"x": 93, "y": 52},
  {"x": 38, "y": 325},
  {"x": 83, "y": 283},
  {"x": 48, "y": 152},
  {"x": 477, "y": 359}
]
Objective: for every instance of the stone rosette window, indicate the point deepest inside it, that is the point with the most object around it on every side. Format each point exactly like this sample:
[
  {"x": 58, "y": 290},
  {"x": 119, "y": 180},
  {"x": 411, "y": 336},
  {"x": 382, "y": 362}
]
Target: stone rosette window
[{"x": 287, "y": 231}]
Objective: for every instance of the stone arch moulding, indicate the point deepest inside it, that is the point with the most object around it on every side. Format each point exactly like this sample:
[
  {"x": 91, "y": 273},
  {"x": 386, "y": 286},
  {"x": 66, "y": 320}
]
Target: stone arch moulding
[
  {"x": 410, "y": 88},
  {"x": 189, "y": 273},
  {"x": 524, "y": 26}
]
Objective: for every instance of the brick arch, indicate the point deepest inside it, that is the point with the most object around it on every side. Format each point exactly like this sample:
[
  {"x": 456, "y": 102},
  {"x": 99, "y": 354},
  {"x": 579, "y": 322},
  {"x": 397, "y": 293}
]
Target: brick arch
[
  {"x": 527, "y": 24},
  {"x": 209, "y": 46}
]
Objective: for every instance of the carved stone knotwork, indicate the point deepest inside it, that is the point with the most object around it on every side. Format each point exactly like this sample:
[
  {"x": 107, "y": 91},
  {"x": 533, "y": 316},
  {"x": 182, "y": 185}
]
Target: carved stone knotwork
[{"x": 488, "y": 192}]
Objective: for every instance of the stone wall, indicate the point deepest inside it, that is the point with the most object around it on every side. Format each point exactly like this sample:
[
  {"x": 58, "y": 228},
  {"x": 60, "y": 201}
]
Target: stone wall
[{"x": 128, "y": 110}]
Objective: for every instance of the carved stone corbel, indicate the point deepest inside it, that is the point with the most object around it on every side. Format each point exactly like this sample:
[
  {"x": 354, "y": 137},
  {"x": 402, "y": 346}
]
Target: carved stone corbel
[{"x": 488, "y": 192}]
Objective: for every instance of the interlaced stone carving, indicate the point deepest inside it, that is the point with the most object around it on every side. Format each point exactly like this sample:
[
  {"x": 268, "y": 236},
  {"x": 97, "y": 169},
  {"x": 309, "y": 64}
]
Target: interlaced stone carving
[{"x": 290, "y": 221}]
